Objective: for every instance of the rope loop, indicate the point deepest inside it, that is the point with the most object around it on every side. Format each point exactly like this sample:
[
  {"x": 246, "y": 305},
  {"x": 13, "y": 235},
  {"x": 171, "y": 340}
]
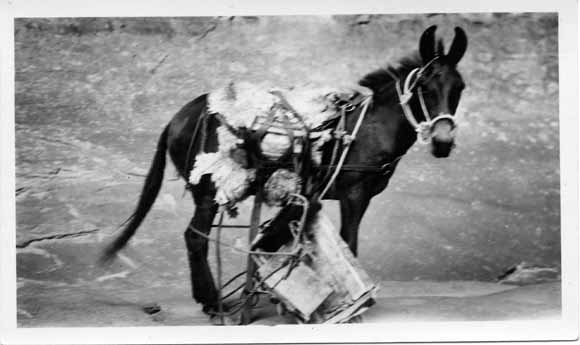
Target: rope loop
[
  {"x": 405, "y": 98},
  {"x": 424, "y": 130}
]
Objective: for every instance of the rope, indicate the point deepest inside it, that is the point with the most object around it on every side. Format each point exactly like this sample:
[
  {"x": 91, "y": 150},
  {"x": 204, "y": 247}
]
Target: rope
[
  {"x": 346, "y": 149},
  {"x": 423, "y": 106},
  {"x": 407, "y": 93},
  {"x": 340, "y": 129},
  {"x": 233, "y": 279},
  {"x": 405, "y": 98},
  {"x": 244, "y": 300},
  {"x": 219, "y": 267},
  {"x": 234, "y": 290},
  {"x": 404, "y": 101},
  {"x": 243, "y": 251}
]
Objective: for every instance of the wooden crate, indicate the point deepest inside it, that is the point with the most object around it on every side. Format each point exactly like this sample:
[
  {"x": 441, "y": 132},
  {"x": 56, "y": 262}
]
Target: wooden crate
[{"x": 327, "y": 286}]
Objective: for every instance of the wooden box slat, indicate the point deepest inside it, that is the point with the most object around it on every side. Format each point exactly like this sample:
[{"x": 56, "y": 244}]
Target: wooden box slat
[
  {"x": 301, "y": 292},
  {"x": 330, "y": 286}
]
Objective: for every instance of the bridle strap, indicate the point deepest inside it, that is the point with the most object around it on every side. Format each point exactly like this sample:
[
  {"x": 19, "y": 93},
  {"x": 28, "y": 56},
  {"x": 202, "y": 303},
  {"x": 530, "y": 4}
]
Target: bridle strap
[
  {"x": 423, "y": 106},
  {"x": 404, "y": 101},
  {"x": 423, "y": 128}
]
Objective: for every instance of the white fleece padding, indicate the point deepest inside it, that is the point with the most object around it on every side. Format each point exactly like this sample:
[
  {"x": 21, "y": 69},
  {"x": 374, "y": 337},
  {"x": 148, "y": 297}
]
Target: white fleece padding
[
  {"x": 231, "y": 179},
  {"x": 239, "y": 104}
]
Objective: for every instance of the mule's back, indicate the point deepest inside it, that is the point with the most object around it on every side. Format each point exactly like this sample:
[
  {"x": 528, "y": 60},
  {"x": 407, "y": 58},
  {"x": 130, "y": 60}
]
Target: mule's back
[{"x": 241, "y": 103}]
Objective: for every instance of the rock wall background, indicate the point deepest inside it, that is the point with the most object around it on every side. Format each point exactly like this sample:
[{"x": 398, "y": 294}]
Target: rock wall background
[{"x": 92, "y": 96}]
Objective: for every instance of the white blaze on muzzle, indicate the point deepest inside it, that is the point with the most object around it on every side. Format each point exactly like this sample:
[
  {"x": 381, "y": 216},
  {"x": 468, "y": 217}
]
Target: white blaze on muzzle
[{"x": 443, "y": 132}]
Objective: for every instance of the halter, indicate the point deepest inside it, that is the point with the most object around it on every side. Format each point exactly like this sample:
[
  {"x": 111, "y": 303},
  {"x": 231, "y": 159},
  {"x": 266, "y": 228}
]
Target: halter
[{"x": 423, "y": 128}]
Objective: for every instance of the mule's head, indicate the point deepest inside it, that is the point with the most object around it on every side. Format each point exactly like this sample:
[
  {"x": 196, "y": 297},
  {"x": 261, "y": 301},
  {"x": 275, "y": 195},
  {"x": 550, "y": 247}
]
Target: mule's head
[{"x": 441, "y": 86}]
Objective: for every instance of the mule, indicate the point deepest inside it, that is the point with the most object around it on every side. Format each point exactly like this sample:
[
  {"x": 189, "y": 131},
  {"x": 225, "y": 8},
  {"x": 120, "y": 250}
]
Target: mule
[{"x": 416, "y": 99}]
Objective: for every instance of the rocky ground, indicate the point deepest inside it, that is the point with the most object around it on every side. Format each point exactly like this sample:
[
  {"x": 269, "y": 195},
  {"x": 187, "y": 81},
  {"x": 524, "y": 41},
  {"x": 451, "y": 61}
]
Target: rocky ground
[
  {"x": 118, "y": 303},
  {"x": 92, "y": 96}
]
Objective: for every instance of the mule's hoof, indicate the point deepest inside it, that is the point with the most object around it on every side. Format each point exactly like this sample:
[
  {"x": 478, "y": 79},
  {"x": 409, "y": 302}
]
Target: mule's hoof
[
  {"x": 356, "y": 319},
  {"x": 281, "y": 309},
  {"x": 369, "y": 303},
  {"x": 225, "y": 320},
  {"x": 217, "y": 320}
]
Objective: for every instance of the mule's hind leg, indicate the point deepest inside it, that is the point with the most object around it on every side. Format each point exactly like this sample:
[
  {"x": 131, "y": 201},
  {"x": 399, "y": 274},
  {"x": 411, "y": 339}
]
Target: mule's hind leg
[{"x": 202, "y": 283}]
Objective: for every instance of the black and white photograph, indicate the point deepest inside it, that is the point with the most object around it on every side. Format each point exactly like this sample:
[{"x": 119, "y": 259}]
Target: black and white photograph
[{"x": 330, "y": 173}]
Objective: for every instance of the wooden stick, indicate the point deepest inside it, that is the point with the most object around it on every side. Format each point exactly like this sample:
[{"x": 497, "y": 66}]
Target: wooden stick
[
  {"x": 251, "y": 265},
  {"x": 219, "y": 269}
]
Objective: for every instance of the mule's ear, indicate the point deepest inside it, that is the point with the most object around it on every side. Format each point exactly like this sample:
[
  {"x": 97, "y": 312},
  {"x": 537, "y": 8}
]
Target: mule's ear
[
  {"x": 427, "y": 44},
  {"x": 458, "y": 46}
]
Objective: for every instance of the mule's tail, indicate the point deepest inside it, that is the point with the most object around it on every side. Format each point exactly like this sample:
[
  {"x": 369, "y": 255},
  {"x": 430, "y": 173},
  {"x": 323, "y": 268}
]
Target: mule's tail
[{"x": 148, "y": 194}]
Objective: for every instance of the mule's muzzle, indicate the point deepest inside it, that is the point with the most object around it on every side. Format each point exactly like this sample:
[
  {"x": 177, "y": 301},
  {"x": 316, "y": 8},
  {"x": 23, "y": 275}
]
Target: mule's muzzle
[
  {"x": 441, "y": 149},
  {"x": 443, "y": 137}
]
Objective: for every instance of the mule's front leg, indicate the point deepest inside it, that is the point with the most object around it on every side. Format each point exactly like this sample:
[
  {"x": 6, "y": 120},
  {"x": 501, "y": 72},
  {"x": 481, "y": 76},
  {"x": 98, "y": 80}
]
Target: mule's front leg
[
  {"x": 202, "y": 284},
  {"x": 352, "y": 209}
]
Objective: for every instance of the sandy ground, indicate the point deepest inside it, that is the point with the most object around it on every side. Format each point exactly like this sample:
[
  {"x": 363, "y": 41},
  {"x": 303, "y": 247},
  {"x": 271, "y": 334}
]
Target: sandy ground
[
  {"x": 117, "y": 304},
  {"x": 92, "y": 97}
]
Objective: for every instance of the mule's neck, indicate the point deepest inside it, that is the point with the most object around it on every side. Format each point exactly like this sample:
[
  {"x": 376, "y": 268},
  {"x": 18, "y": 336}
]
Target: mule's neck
[
  {"x": 400, "y": 132},
  {"x": 388, "y": 104}
]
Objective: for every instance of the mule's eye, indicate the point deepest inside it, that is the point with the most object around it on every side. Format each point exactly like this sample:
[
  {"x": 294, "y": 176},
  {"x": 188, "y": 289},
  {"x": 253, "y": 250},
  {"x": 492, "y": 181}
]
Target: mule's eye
[{"x": 437, "y": 75}]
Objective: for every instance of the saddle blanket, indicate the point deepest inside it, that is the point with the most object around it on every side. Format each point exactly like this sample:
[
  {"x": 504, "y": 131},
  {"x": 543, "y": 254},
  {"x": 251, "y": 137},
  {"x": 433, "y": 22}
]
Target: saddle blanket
[
  {"x": 246, "y": 105},
  {"x": 242, "y": 103}
]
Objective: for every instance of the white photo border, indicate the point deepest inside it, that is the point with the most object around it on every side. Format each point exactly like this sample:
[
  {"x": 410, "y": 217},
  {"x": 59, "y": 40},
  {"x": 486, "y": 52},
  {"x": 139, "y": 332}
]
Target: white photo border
[{"x": 564, "y": 329}]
